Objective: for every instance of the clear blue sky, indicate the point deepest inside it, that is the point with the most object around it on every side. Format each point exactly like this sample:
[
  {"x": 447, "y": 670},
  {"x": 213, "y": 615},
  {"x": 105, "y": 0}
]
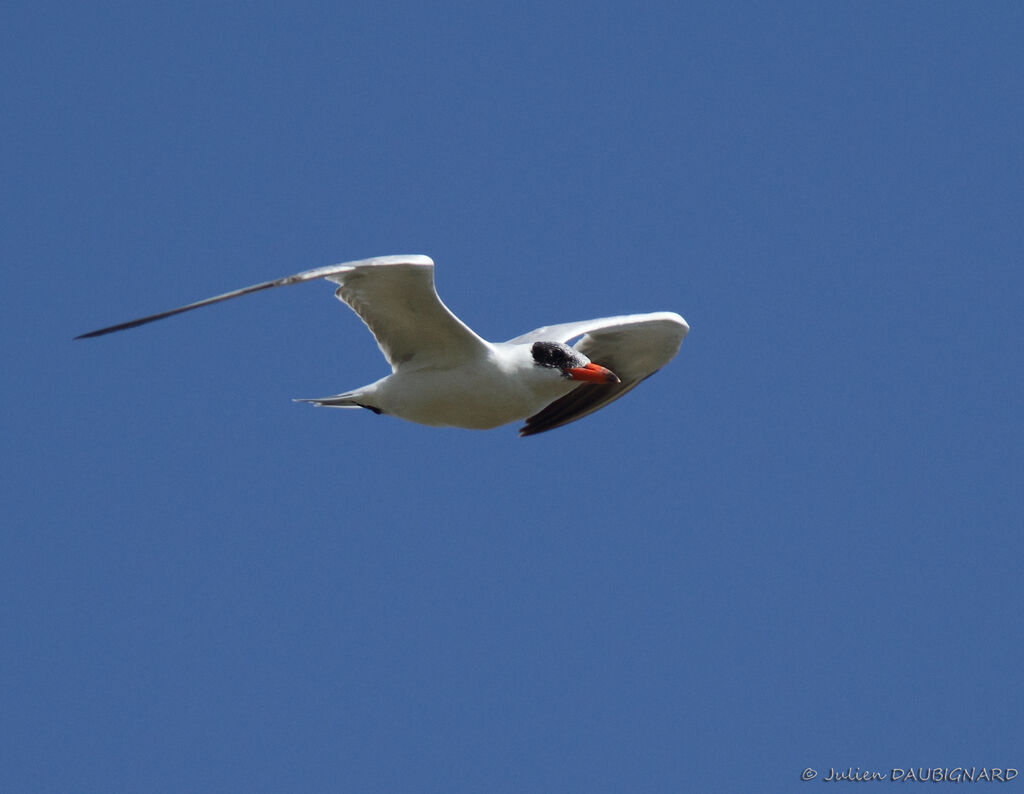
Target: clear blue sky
[{"x": 799, "y": 545}]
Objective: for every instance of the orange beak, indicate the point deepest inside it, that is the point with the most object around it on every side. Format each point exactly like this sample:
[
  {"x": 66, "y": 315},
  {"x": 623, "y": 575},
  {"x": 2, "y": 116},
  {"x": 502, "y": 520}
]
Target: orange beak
[{"x": 593, "y": 373}]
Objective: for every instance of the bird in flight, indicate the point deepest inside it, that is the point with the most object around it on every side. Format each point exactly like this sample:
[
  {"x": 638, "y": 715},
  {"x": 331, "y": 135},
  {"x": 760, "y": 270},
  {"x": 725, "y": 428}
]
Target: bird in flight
[{"x": 443, "y": 374}]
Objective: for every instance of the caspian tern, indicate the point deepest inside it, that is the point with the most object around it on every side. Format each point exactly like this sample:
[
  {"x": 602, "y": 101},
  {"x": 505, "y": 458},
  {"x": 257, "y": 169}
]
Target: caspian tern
[{"x": 443, "y": 374}]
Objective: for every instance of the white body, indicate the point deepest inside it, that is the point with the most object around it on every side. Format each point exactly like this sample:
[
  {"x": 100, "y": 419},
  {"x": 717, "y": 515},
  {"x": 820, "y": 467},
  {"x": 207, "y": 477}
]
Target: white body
[{"x": 499, "y": 387}]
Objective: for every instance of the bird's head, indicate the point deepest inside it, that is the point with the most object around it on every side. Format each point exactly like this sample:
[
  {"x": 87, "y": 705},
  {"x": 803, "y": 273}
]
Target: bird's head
[{"x": 570, "y": 363}]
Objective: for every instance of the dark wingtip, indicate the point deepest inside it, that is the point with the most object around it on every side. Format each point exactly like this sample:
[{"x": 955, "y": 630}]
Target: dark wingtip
[
  {"x": 530, "y": 429},
  {"x": 120, "y": 327}
]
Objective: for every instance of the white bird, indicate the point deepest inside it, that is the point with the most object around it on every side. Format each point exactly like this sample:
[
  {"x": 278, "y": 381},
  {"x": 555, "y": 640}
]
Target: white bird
[{"x": 443, "y": 374}]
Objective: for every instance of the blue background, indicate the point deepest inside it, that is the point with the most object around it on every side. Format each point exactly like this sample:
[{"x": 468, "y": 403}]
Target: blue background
[{"x": 798, "y": 546}]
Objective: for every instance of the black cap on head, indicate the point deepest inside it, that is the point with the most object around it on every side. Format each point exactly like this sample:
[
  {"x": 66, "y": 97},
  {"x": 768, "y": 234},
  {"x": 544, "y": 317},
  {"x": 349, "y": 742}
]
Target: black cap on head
[{"x": 556, "y": 355}]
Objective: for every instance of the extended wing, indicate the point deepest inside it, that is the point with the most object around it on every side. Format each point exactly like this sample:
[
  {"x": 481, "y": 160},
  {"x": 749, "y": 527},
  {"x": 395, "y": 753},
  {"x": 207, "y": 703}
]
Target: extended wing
[
  {"x": 393, "y": 295},
  {"x": 633, "y": 346}
]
